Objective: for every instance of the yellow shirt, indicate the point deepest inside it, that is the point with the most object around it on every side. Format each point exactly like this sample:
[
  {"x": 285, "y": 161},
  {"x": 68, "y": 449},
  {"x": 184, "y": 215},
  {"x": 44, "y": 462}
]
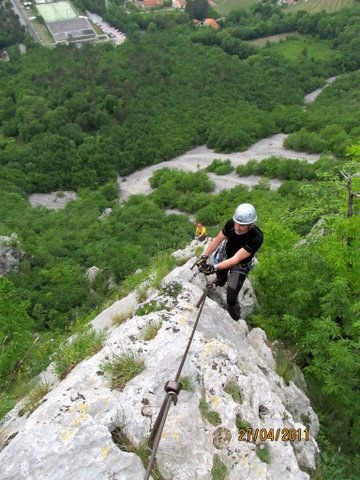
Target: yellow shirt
[{"x": 200, "y": 231}]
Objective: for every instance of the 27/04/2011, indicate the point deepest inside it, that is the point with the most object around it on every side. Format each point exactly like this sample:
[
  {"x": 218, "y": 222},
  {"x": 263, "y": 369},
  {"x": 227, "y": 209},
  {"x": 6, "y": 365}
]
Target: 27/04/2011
[{"x": 278, "y": 434}]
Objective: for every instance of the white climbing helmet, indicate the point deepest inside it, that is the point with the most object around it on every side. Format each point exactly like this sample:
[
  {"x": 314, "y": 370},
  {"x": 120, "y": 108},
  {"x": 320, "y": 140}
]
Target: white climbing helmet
[{"x": 245, "y": 214}]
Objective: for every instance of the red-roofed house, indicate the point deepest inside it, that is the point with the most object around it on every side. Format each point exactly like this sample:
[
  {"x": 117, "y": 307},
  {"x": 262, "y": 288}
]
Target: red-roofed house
[
  {"x": 179, "y": 4},
  {"x": 210, "y": 22},
  {"x": 152, "y": 3}
]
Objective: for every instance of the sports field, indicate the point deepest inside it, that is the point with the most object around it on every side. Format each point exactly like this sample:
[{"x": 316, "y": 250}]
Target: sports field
[
  {"x": 55, "y": 12},
  {"x": 313, "y": 6}
]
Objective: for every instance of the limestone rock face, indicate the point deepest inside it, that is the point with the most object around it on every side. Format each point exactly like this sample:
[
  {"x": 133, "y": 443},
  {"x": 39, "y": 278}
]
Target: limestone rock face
[
  {"x": 105, "y": 214},
  {"x": 10, "y": 254},
  {"x": 91, "y": 273},
  {"x": 69, "y": 435}
]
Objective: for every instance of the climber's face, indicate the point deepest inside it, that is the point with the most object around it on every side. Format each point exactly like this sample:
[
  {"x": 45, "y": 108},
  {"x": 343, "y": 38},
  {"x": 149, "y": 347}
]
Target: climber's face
[{"x": 241, "y": 229}]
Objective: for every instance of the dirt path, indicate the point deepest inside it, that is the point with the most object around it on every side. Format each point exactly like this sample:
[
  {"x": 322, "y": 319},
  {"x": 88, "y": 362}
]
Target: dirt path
[
  {"x": 310, "y": 97},
  {"x": 201, "y": 157}
]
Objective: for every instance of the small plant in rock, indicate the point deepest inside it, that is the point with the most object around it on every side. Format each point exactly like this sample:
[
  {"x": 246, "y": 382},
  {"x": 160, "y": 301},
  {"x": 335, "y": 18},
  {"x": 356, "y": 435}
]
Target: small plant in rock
[
  {"x": 142, "y": 450},
  {"x": 199, "y": 251},
  {"x": 149, "y": 307},
  {"x": 121, "y": 317},
  {"x": 284, "y": 367},
  {"x": 34, "y": 398},
  {"x": 186, "y": 384},
  {"x": 162, "y": 264},
  {"x": 151, "y": 331},
  {"x": 263, "y": 452},
  {"x": 142, "y": 293},
  {"x": 82, "y": 346},
  {"x": 172, "y": 289},
  {"x": 233, "y": 389},
  {"x": 219, "y": 469},
  {"x": 121, "y": 369},
  {"x": 213, "y": 417},
  {"x": 241, "y": 424},
  {"x": 305, "y": 418}
]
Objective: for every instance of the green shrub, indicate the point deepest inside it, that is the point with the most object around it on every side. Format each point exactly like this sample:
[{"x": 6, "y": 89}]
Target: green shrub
[
  {"x": 6, "y": 404},
  {"x": 220, "y": 167},
  {"x": 83, "y": 345},
  {"x": 121, "y": 369}
]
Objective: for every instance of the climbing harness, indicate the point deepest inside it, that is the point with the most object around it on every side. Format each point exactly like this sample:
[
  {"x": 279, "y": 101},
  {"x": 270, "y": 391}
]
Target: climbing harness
[{"x": 172, "y": 388}]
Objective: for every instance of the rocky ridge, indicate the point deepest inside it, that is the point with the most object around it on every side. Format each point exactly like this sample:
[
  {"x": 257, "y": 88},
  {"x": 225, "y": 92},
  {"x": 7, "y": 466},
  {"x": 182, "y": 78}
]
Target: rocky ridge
[{"x": 71, "y": 434}]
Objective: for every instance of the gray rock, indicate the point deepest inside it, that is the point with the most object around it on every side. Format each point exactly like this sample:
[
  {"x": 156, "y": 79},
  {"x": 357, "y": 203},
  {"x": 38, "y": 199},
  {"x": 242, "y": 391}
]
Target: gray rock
[
  {"x": 10, "y": 254},
  {"x": 91, "y": 273},
  {"x": 68, "y": 436},
  {"x": 106, "y": 213}
]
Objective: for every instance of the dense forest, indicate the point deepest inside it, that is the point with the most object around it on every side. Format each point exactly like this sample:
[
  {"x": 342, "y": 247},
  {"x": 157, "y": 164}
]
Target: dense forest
[
  {"x": 10, "y": 30},
  {"x": 72, "y": 118}
]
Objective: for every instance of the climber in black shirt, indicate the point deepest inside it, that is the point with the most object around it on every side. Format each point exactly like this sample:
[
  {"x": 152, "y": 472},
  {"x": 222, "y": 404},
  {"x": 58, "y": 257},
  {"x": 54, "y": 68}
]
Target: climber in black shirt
[{"x": 243, "y": 238}]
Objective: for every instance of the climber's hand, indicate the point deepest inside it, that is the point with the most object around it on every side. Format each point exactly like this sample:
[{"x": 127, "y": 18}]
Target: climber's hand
[
  {"x": 209, "y": 270},
  {"x": 201, "y": 262}
]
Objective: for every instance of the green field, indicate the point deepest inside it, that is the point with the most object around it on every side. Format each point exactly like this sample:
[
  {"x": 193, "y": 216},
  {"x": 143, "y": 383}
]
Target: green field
[
  {"x": 294, "y": 47},
  {"x": 318, "y": 5},
  {"x": 54, "y": 12},
  {"x": 225, "y": 6}
]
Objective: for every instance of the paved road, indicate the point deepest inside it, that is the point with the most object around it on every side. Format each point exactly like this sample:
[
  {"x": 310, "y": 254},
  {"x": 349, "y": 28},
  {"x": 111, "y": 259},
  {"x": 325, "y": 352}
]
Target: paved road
[{"x": 23, "y": 19}]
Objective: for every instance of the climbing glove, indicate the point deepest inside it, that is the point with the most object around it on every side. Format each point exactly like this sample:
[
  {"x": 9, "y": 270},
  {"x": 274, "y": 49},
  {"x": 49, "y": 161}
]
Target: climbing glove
[
  {"x": 209, "y": 270},
  {"x": 201, "y": 263}
]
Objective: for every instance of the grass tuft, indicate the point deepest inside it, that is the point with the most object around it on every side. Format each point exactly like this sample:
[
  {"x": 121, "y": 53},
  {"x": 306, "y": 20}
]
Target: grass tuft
[
  {"x": 241, "y": 424},
  {"x": 263, "y": 453},
  {"x": 122, "y": 369},
  {"x": 142, "y": 293},
  {"x": 305, "y": 418},
  {"x": 233, "y": 389},
  {"x": 142, "y": 450},
  {"x": 151, "y": 331},
  {"x": 121, "y": 317},
  {"x": 82, "y": 346},
  {"x": 186, "y": 384},
  {"x": 284, "y": 367},
  {"x": 219, "y": 469},
  {"x": 162, "y": 264},
  {"x": 33, "y": 400},
  {"x": 213, "y": 417}
]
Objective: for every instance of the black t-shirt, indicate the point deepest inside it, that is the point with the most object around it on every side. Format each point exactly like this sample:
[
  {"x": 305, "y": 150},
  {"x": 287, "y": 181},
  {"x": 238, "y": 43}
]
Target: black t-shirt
[{"x": 250, "y": 241}]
